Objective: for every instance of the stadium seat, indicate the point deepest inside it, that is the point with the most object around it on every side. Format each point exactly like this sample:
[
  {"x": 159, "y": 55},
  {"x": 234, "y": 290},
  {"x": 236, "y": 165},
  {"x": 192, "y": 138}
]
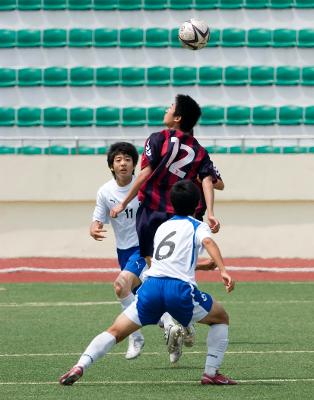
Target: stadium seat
[
  {"x": 264, "y": 115},
  {"x": 81, "y": 116},
  {"x": 7, "y": 150},
  {"x": 130, "y": 4},
  {"x": 54, "y": 4},
  {"x": 293, "y": 150},
  {"x": 174, "y": 38},
  {"x": 262, "y": 75},
  {"x": 180, "y": 4},
  {"x": 206, "y": 4},
  {"x": 212, "y": 115},
  {"x": 209, "y": 75},
  {"x": 238, "y": 115},
  {"x": 29, "y": 150},
  {"x": 233, "y": 37},
  {"x": 290, "y": 115},
  {"x": 307, "y": 76},
  {"x": 155, "y": 116},
  {"x": 304, "y": 3},
  {"x": 107, "y": 76},
  {"x": 7, "y": 5},
  {"x": 28, "y": 116},
  {"x": 106, "y": 37},
  {"x": 287, "y": 76},
  {"x": 28, "y": 5},
  {"x": 83, "y": 150},
  {"x": 7, "y": 116},
  {"x": 79, "y": 37},
  {"x": 155, "y": 4},
  {"x": 105, "y": 4},
  {"x": 29, "y": 77},
  {"x": 133, "y": 116},
  {"x": 107, "y": 116},
  {"x": 54, "y": 38},
  {"x": 184, "y": 76},
  {"x": 8, "y": 38},
  {"x": 214, "y": 38},
  {"x": 310, "y": 149},
  {"x": 309, "y": 115},
  {"x": 306, "y": 38},
  {"x": 264, "y": 149},
  {"x": 7, "y": 77},
  {"x": 217, "y": 149},
  {"x": 81, "y": 76},
  {"x": 236, "y": 76},
  {"x": 131, "y": 37},
  {"x": 231, "y": 4},
  {"x": 284, "y": 38},
  {"x": 28, "y": 38},
  {"x": 158, "y": 76},
  {"x": 256, "y": 4},
  {"x": 101, "y": 150},
  {"x": 281, "y": 3},
  {"x": 241, "y": 150},
  {"x": 80, "y": 4},
  {"x": 55, "y": 117},
  {"x": 157, "y": 37},
  {"x": 132, "y": 76},
  {"x": 55, "y": 76},
  {"x": 259, "y": 37},
  {"x": 57, "y": 150}
]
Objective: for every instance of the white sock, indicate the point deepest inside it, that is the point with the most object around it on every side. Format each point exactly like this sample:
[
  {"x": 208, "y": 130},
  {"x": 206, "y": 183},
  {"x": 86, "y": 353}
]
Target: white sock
[
  {"x": 97, "y": 348},
  {"x": 217, "y": 343},
  {"x": 167, "y": 320},
  {"x": 126, "y": 301}
]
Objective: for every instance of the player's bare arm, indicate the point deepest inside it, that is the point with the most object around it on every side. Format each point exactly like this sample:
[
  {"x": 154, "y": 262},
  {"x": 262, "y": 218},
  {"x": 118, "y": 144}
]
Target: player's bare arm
[
  {"x": 219, "y": 185},
  {"x": 208, "y": 190},
  {"x": 96, "y": 230},
  {"x": 206, "y": 264}
]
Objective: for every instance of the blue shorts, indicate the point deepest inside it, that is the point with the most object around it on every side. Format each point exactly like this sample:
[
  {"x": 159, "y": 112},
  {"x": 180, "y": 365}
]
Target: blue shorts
[
  {"x": 183, "y": 301},
  {"x": 130, "y": 260}
]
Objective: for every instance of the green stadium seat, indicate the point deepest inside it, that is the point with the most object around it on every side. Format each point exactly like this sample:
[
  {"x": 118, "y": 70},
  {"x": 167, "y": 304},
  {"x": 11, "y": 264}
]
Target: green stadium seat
[
  {"x": 29, "y": 77},
  {"x": 231, "y": 4},
  {"x": 158, "y": 76},
  {"x": 132, "y": 76},
  {"x": 29, "y": 38},
  {"x": 57, "y": 150},
  {"x": 7, "y": 77},
  {"x": 81, "y": 116},
  {"x": 184, "y": 76},
  {"x": 105, "y": 4},
  {"x": 241, "y": 150},
  {"x": 294, "y": 150},
  {"x": 155, "y": 116},
  {"x": 131, "y": 37},
  {"x": 256, "y": 4},
  {"x": 83, "y": 150},
  {"x": 284, "y": 38},
  {"x": 217, "y": 149},
  {"x": 310, "y": 149},
  {"x": 264, "y": 115},
  {"x": 238, "y": 115},
  {"x": 28, "y": 116},
  {"x": 262, "y": 75},
  {"x": 212, "y": 115},
  {"x": 8, "y": 38},
  {"x": 140, "y": 149},
  {"x": 180, "y": 4},
  {"x": 133, "y": 116},
  {"x": 259, "y": 37},
  {"x": 290, "y": 115},
  {"x": 28, "y": 5},
  {"x": 304, "y": 4},
  {"x": 106, "y": 37},
  {"x": 55, "y": 117},
  {"x": 206, "y": 4},
  {"x": 7, "y": 5},
  {"x": 155, "y": 4},
  {"x": 54, "y": 5},
  {"x": 54, "y": 38},
  {"x": 306, "y": 38},
  {"x": 209, "y": 75},
  {"x": 309, "y": 115},
  {"x": 107, "y": 116},
  {"x": 55, "y": 76},
  {"x": 79, "y": 37},
  {"x": 157, "y": 37},
  {"x": 236, "y": 76},
  {"x": 130, "y": 4},
  {"x": 7, "y": 116},
  {"x": 281, "y": 3},
  {"x": 307, "y": 78},
  {"x": 264, "y": 149},
  {"x": 101, "y": 150},
  {"x": 287, "y": 76},
  {"x": 81, "y": 76},
  {"x": 80, "y": 4},
  {"x": 233, "y": 37},
  {"x": 30, "y": 150},
  {"x": 7, "y": 150},
  {"x": 214, "y": 38},
  {"x": 107, "y": 76},
  {"x": 174, "y": 38}
]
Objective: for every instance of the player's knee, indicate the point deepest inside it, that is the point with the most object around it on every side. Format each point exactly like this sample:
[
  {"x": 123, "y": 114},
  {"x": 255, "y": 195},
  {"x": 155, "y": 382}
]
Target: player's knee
[{"x": 116, "y": 332}]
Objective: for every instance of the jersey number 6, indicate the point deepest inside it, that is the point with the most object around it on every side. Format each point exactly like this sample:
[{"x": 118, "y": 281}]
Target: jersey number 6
[{"x": 165, "y": 243}]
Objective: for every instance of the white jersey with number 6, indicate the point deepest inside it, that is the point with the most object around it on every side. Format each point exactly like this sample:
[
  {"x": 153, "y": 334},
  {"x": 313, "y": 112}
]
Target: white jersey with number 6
[{"x": 177, "y": 244}]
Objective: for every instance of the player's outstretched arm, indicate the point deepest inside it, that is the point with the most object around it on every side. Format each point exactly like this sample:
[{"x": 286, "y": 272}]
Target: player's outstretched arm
[
  {"x": 205, "y": 265},
  {"x": 208, "y": 190},
  {"x": 96, "y": 230},
  {"x": 214, "y": 252}
]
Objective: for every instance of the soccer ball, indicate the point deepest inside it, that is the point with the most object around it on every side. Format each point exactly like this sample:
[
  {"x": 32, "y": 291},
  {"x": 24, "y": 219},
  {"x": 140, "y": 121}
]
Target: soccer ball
[{"x": 194, "y": 34}]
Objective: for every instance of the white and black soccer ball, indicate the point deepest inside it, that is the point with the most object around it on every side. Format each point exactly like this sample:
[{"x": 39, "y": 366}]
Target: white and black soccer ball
[{"x": 194, "y": 34}]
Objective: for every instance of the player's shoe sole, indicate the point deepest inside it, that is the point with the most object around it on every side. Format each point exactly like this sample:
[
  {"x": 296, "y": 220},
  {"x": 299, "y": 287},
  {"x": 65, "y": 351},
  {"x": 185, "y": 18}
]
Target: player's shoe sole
[
  {"x": 174, "y": 342},
  {"x": 218, "y": 379},
  {"x": 71, "y": 376}
]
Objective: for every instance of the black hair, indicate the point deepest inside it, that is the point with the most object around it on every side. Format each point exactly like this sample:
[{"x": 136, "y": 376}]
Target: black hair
[
  {"x": 184, "y": 196},
  {"x": 122, "y": 148},
  {"x": 188, "y": 110}
]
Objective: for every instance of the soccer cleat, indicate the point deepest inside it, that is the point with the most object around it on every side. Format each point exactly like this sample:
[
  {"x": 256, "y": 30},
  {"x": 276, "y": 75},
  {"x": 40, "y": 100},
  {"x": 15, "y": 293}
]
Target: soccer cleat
[
  {"x": 189, "y": 336},
  {"x": 135, "y": 347},
  {"x": 71, "y": 376},
  {"x": 174, "y": 340},
  {"x": 218, "y": 379}
]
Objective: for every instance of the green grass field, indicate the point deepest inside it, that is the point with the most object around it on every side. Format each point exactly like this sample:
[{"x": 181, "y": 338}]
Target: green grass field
[{"x": 44, "y": 327}]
